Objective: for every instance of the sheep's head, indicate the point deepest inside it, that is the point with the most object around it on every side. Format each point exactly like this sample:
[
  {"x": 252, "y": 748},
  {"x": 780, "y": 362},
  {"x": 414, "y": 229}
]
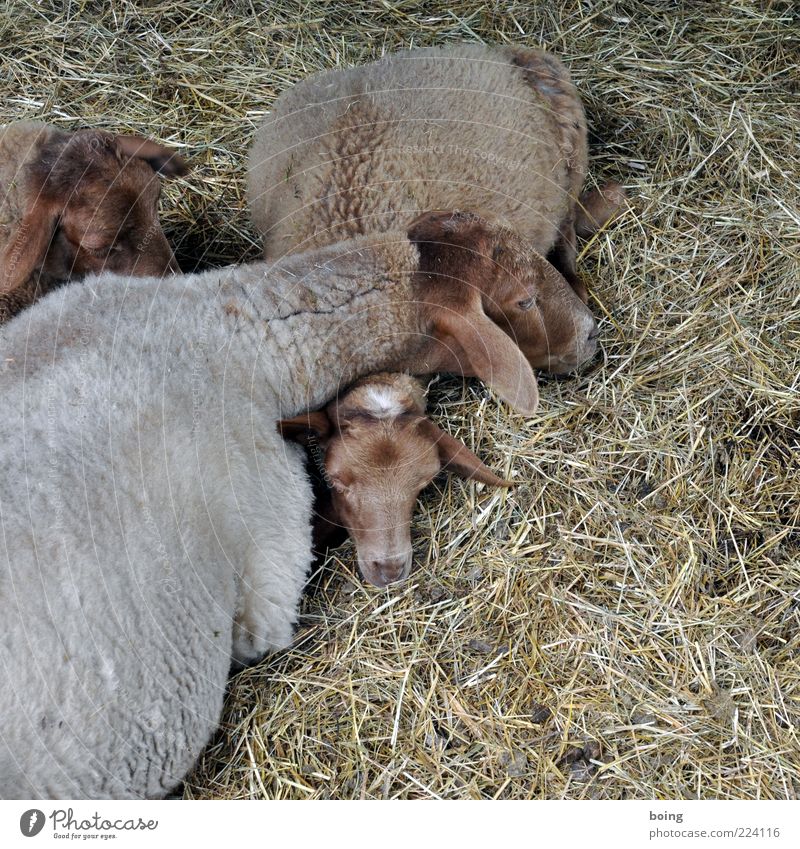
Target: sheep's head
[
  {"x": 380, "y": 452},
  {"x": 92, "y": 205},
  {"x": 476, "y": 268}
]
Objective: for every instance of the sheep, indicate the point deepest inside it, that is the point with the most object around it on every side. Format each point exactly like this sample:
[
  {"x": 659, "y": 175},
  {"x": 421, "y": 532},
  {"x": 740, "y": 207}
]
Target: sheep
[
  {"x": 497, "y": 131},
  {"x": 380, "y": 452},
  {"x": 76, "y": 203},
  {"x": 155, "y": 525}
]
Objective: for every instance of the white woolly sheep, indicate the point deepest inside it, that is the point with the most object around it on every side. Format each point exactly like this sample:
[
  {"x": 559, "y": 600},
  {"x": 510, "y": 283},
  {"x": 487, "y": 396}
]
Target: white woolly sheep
[
  {"x": 77, "y": 203},
  {"x": 155, "y": 524}
]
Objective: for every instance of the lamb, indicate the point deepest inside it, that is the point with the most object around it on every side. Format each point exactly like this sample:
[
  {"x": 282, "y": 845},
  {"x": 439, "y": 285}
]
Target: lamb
[
  {"x": 155, "y": 524},
  {"x": 497, "y": 131},
  {"x": 380, "y": 452},
  {"x": 76, "y": 203}
]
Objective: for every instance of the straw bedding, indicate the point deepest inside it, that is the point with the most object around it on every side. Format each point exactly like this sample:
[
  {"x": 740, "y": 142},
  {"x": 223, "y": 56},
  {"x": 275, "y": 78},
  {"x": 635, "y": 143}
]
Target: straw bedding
[{"x": 626, "y": 622}]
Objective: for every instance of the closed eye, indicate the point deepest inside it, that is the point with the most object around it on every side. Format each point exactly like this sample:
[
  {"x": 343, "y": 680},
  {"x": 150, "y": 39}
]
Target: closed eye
[
  {"x": 528, "y": 303},
  {"x": 114, "y": 247},
  {"x": 98, "y": 252}
]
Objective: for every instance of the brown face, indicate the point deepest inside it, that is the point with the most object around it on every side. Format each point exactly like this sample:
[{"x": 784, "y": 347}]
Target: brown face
[
  {"x": 111, "y": 224},
  {"x": 538, "y": 308},
  {"x": 91, "y": 205},
  {"x": 461, "y": 254},
  {"x": 376, "y": 470},
  {"x": 380, "y": 452}
]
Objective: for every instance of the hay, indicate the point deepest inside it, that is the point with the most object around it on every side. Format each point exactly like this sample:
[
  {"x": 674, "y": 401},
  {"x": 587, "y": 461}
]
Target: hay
[{"x": 626, "y": 622}]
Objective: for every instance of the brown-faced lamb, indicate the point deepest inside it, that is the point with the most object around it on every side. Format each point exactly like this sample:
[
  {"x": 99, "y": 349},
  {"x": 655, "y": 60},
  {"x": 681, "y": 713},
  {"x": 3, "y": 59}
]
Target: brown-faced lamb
[
  {"x": 155, "y": 524},
  {"x": 498, "y": 131},
  {"x": 77, "y": 203},
  {"x": 375, "y": 451}
]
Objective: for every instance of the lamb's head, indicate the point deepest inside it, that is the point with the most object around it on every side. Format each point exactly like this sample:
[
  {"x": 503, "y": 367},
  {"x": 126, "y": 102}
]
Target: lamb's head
[
  {"x": 380, "y": 452},
  {"x": 464, "y": 255},
  {"x": 91, "y": 206}
]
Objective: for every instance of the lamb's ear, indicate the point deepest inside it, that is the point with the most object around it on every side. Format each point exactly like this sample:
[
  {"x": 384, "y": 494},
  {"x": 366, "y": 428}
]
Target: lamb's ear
[
  {"x": 301, "y": 427},
  {"x": 164, "y": 160},
  {"x": 490, "y": 354},
  {"x": 27, "y": 247},
  {"x": 457, "y": 458}
]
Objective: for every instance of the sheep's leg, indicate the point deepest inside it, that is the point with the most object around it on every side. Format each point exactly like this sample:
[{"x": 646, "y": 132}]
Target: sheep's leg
[
  {"x": 261, "y": 627},
  {"x": 270, "y": 586},
  {"x": 272, "y": 541},
  {"x": 270, "y": 593},
  {"x": 594, "y": 210}
]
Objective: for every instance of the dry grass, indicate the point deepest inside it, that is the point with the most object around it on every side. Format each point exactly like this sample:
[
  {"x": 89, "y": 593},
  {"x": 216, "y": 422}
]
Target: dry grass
[{"x": 626, "y": 623}]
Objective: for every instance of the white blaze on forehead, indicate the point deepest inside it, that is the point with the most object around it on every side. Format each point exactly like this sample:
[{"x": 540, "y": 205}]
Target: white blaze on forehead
[{"x": 384, "y": 402}]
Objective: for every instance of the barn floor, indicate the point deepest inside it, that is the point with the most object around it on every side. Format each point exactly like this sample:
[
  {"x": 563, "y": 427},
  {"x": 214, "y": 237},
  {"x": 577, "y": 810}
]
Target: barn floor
[{"x": 625, "y": 623}]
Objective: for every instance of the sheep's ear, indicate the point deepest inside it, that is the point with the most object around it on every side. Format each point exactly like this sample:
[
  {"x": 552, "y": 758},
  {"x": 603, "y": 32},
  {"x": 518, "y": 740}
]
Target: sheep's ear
[
  {"x": 454, "y": 251},
  {"x": 301, "y": 427},
  {"x": 437, "y": 224},
  {"x": 597, "y": 207},
  {"x": 457, "y": 458},
  {"x": 438, "y": 232},
  {"x": 490, "y": 354},
  {"x": 27, "y": 247},
  {"x": 164, "y": 160}
]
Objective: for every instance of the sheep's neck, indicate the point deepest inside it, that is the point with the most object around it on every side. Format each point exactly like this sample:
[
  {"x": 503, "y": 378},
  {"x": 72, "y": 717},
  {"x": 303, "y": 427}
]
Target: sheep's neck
[{"x": 315, "y": 331}]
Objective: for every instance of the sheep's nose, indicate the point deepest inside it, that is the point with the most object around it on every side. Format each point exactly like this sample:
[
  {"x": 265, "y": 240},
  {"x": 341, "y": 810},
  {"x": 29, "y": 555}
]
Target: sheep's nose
[
  {"x": 589, "y": 347},
  {"x": 388, "y": 570}
]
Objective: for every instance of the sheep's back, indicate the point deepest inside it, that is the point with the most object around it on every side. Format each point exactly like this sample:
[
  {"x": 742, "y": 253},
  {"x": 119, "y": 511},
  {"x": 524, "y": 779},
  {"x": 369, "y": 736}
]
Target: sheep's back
[
  {"x": 116, "y": 634},
  {"x": 368, "y": 148},
  {"x": 117, "y": 603}
]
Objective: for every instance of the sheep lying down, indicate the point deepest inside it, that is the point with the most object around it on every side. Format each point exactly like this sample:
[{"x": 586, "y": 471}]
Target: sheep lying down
[
  {"x": 77, "y": 203},
  {"x": 496, "y": 130},
  {"x": 155, "y": 524},
  {"x": 375, "y": 451}
]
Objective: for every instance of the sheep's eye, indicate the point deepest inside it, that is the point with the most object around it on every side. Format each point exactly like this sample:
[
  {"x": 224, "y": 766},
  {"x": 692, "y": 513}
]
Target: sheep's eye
[
  {"x": 99, "y": 252},
  {"x": 527, "y": 303},
  {"x": 498, "y": 252},
  {"x": 102, "y": 251}
]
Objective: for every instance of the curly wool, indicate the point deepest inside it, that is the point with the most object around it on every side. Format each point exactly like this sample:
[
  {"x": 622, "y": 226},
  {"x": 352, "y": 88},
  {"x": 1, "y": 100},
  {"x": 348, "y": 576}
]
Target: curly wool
[
  {"x": 155, "y": 525},
  {"x": 499, "y": 131}
]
